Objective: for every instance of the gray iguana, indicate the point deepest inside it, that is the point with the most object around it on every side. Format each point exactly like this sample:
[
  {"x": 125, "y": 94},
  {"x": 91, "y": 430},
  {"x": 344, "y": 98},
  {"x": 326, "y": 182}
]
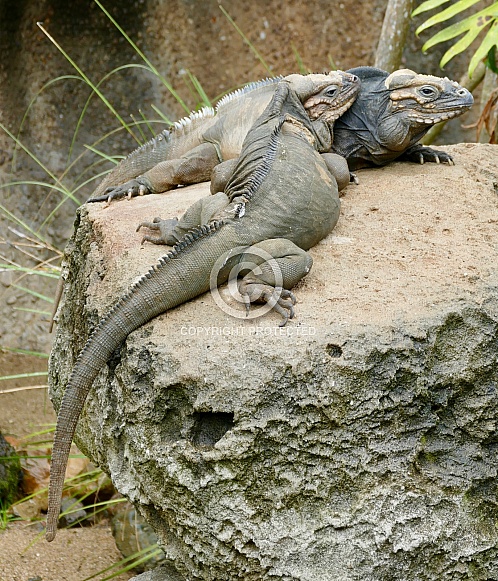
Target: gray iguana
[
  {"x": 188, "y": 153},
  {"x": 281, "y": 200},
  {"x": 392, "y": 113}
]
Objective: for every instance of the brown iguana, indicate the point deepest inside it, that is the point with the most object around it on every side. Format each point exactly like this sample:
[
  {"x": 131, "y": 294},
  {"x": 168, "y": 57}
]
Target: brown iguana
[
  {"x": 394, "y": 111},
  {"x": 281, "y": 200},
  {"x": 391, "y": 114}
]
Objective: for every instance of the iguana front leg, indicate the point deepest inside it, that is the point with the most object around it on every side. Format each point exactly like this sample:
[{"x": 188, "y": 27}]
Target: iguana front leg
[
  {"x": 193, "y": 167},
  {"x": 171, "y": 231},
  {"x": 421, "y": 154},
  {"x": 221, "y": 174},
  {"x": 269, "y": 270}
]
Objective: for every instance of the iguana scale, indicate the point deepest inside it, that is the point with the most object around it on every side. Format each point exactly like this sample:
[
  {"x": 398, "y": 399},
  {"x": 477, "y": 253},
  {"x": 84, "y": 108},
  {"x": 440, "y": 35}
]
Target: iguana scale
[{"x": 281, "y": 199}]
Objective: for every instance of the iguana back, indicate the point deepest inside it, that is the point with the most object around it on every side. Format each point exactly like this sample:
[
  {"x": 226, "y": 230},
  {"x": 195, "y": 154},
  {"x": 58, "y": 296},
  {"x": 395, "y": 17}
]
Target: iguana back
[{"x": 225, "y": 126}]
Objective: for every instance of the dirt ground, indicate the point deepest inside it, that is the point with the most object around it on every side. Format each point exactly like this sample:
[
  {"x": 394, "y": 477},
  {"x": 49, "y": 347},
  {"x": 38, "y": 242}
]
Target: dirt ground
[{"x": 74, "y": 555}]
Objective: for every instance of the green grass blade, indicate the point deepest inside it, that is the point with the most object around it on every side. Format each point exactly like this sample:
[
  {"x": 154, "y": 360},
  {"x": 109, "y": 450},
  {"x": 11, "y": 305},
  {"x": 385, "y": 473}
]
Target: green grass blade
[
  {"x": 16, "y": 268},
  {"x": 204, "y": 99},
  {"x": 246, "y": 40},
  {"x": 25, "y": 352},
  {"x": 302, "y": 69},
  {"x": 161, "y": 114},
  {"x": 144, "y": 58},
  {"x": 23, "y": 375},
  {"x": 140, "y": 130},
  {"x": 36, "y": 160},
  {"x": 146, "y": 122},
  {"x": 103, "y": 155},
  {"x": 34, "y": 293},
  {"x": 102, "y": 97},
  {"x": 31, "y": 103},
  {"x": 62, "y": 189},
  {"x": 35, "y": 311},
  {"x": 134, "y": 560},
  {"x": 93, "y": 93}
]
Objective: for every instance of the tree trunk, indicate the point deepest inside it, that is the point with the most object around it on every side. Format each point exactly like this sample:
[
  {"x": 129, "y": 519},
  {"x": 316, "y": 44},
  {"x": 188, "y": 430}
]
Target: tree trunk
[{"x": 393, "y": 35}]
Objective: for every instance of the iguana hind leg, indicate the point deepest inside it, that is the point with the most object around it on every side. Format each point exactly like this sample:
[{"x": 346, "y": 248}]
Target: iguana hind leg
[
  {"x": 338, "y": 167},
  {"x": 269, "y": 270},
  {"x": 172, "y": 231},
  {"x": 192, "y": 168}
]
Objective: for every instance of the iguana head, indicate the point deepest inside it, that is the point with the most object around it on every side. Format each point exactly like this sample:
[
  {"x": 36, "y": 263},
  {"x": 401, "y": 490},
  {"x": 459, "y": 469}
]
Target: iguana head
[
  {"x": 325, "y": 97},
  {"x": 425, "y": 99}
]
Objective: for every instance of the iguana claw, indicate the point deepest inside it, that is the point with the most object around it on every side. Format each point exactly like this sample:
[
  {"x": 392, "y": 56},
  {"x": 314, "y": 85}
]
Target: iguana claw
[
  {"x": 128, "y": 190},
  {"x": 280, "y": 299},
  {"x": 423, "y": 154},
  {"x": 165, "y": 229}
]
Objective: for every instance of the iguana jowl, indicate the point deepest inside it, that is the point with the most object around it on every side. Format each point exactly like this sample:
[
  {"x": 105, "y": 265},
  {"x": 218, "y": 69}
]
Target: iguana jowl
[
  {"x": 390, "y": 115},
  {"x": 281, "y": 199}
]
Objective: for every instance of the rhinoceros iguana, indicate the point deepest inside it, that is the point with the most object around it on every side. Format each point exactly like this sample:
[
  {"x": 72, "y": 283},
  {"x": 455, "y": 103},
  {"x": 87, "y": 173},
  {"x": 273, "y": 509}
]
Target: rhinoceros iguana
[{"x": 394, "y": 111}]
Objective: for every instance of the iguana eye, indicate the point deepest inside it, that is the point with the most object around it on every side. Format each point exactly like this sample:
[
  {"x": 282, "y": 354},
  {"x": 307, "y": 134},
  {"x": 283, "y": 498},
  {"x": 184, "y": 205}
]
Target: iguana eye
[
  {"x": 428, "y": 91},
  {"x": 330, "y": 91}
]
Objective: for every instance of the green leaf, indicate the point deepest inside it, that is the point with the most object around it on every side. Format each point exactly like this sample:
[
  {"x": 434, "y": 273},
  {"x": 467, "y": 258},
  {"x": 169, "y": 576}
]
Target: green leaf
[
  {"x": 449, "y": 12},
  {"x": 490, "y": 40},
  {"x": 459, "y": 46},
  {"x": 429, "y": 5},
  {"x": 491, "y": 60},
  {"x": 480, "y": 20}
]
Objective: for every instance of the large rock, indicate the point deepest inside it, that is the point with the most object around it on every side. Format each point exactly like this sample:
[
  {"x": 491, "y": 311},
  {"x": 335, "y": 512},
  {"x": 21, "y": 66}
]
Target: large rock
[
  {"x": 10, "y": 473},
  {"x": 357, "y": 443}
]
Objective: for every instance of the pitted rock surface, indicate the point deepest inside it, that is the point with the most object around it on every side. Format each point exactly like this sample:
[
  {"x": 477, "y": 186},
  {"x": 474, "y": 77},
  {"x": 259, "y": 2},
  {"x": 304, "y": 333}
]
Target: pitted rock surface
[{"x": 359, "y": 442}]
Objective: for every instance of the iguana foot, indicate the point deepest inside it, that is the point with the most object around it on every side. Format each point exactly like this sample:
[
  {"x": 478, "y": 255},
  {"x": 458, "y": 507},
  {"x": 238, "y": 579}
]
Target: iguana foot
[
  {"x": 165, "y": 229},
  {"x": 135, "y": 187},
  {"x": 353, "y": 178},
  {"x": 421, "y": 154},
  {"x": 280, "y": 299}
]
